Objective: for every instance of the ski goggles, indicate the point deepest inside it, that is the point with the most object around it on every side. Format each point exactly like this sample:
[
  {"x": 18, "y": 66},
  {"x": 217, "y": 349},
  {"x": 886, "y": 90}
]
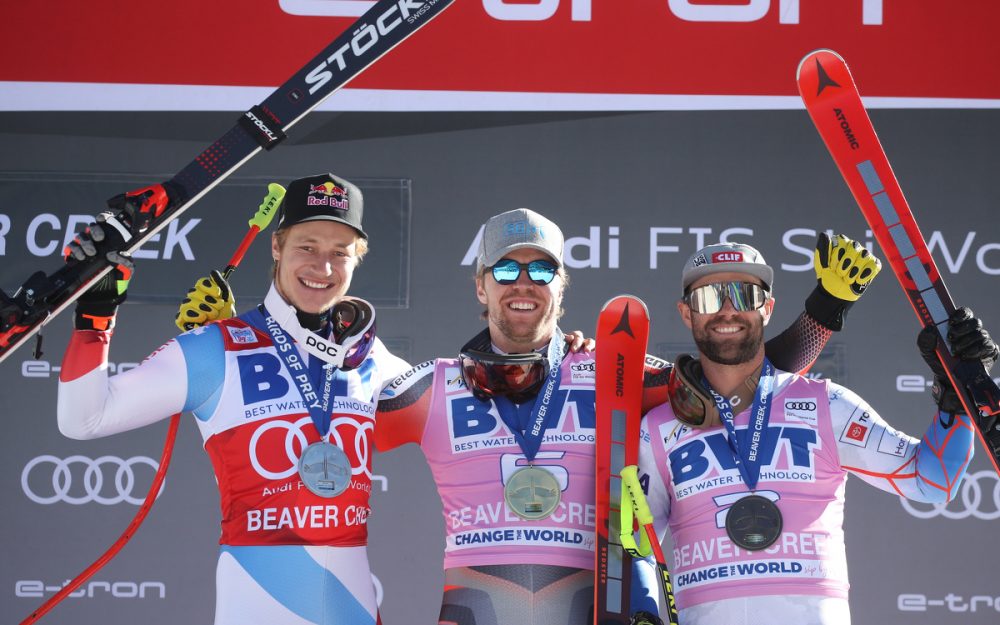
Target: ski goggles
[
  {"x": 516, "y": 376},
  {"x": 507, "y": 271},
  {"x": 353, "y": 330},
  {"x": 709, "y": 299}
]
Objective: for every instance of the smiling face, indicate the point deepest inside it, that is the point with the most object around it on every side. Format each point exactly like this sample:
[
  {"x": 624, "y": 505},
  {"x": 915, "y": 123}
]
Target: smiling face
[
  {"x": 522, "y": 316},
  {"x": 315, "y": 262},
  {"x": 728, "y": 337}
]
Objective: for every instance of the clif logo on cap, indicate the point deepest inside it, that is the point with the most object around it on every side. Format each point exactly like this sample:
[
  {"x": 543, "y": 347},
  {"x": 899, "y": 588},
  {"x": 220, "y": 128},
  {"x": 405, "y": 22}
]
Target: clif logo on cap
[{"x": 727, "y": 257}]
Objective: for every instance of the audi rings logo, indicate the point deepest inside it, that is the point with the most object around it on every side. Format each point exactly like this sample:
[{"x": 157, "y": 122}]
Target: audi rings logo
[
  {"x": 978, "y": 497},
  {"x": 800, "y": 405},
  {"x": 80, "y": 480},
  {"x": 295, "y": 441},
  {"x": 583, "y": 366}
]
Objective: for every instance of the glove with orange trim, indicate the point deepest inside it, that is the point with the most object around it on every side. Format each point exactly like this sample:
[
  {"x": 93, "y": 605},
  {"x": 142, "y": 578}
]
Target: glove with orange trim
[{"x": 96, "y": 309}]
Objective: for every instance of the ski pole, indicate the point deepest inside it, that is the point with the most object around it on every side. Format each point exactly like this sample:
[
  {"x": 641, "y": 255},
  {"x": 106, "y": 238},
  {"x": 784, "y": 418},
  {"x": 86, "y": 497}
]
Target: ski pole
[
  {"x": 258, "y": 222},
  {"x": 635, "y": 508}
]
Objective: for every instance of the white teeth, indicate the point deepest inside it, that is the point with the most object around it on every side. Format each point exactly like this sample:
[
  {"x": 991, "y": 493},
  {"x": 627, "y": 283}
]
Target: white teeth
[
  {"x": 522, "y": 306},
  {"x": 312, "y": 285},
  {"x": 728, "y": 329}
]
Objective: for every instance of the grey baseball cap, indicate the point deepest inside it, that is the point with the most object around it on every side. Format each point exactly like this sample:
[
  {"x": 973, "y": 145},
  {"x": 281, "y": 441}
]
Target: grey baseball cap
[
  {"x": 519, "y": 228},
  {"x": 725, "y": 258}
]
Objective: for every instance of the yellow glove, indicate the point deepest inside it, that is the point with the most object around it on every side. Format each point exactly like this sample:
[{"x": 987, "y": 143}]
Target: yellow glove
[
  {"x": 843, "y": 267},
  {"x": 210, "y": 299}
]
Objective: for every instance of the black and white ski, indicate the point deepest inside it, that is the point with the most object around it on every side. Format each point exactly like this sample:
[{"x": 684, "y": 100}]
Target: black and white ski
[{"x": 386, "y": 24}]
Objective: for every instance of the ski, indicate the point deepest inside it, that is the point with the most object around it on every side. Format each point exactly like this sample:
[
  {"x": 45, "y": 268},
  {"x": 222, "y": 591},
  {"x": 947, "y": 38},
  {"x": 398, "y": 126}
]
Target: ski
[
  {"x": 834, "y": 104},
  {"x": 142, "y": 213},
  {"x": 622, "y": 331}
]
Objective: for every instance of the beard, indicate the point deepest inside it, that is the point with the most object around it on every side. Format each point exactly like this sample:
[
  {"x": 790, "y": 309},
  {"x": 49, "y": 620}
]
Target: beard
[
  {"x": 525, "y": 333},
  {"x": 731, "y": 352}
]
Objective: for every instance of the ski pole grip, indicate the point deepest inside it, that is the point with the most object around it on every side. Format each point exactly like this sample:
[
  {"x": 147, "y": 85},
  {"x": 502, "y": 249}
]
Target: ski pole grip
[
  {"x": 630, "y": 480},
  {"x": 261, "y": 219}
]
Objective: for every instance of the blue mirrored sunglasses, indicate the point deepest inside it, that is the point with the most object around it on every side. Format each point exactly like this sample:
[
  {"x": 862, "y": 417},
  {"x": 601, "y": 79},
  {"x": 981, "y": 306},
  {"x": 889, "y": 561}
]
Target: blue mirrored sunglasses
[
  {"x": 710, "y": 298},
  {"x": 507, "y": 271}
]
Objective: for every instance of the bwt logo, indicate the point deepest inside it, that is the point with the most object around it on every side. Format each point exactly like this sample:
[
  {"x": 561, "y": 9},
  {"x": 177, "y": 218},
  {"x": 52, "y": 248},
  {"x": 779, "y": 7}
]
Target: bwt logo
[
  {"x": 696, "y": 458},
  {"x": 471, "y": 417}
]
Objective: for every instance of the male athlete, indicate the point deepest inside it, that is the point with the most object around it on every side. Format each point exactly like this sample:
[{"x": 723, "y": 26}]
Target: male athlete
[
  {"x": 284, "y": 396},
  {"x": 518, "y": 490},
  {"x": 754, "y": 490}
]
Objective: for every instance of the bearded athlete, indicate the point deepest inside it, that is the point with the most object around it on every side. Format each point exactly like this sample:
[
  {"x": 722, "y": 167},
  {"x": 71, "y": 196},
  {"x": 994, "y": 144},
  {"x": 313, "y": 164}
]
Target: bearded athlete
[
  {"x": 753, "y": 491},
  {"x": 518, "y": 500},
  {"x": 284, "y": 396}
]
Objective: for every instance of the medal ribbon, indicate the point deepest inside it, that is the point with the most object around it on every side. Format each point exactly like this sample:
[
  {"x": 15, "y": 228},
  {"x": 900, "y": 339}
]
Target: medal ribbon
[
  {"x": 549, "y": 400},
  {"x": 317, "y": 383},
  {"x": 748, "y": 454}
]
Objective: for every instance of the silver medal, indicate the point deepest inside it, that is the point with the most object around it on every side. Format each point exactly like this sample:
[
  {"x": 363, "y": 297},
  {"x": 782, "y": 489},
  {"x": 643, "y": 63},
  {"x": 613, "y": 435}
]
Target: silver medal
[{"x": 325, "y": 469}]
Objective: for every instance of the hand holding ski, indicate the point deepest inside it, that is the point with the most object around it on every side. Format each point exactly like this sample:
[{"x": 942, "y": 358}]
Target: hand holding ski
[
  {"x": 41, "y": 297},
  {"x": 834, "y": 104},
  {"x": 622, "y": 331}
]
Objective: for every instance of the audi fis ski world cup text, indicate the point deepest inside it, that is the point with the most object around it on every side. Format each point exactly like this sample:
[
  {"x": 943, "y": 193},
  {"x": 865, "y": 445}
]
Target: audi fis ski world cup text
[{"x": 667, "y": 246}]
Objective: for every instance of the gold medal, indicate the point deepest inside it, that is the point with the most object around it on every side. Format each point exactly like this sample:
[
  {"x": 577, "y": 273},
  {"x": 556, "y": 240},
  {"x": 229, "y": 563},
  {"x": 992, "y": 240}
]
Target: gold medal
[{"x": 532, "y": 493}]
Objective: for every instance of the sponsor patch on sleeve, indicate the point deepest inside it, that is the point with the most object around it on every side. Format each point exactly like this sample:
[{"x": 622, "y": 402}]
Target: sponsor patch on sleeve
[
  {"x": 242, "y": 336},
  {"x": 893, "y": 442},
  {"x": 858, "y": 429}
]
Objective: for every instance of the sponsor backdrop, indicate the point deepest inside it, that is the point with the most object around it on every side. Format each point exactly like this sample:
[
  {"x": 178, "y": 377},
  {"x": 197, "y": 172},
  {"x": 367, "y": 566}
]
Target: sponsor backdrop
[{"x": 635, "y": 192}]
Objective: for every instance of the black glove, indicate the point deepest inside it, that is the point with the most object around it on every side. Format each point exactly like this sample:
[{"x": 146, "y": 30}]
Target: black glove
[
  {"x": 969, "y": 341},
  {"x": 645, "y": 618},
  {"x": 96, "y": 308},
  {"x": 844, "y": 269}
]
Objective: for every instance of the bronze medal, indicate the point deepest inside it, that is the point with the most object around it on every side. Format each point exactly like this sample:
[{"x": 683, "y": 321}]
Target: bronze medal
[{"x": 754, "y": 523}]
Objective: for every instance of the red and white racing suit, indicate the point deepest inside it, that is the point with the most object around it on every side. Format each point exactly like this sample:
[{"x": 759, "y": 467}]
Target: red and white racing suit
[{"x": 287, "y": 555}]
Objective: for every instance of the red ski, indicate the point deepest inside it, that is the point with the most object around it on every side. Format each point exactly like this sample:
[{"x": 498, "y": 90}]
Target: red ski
[
  {"x": 622, "y": 330},
  {"x": 833, "y": 102}
]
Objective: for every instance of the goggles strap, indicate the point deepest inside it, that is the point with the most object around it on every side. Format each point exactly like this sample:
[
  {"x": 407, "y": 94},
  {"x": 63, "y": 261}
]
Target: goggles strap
[{"x": 687, "y": 381}]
